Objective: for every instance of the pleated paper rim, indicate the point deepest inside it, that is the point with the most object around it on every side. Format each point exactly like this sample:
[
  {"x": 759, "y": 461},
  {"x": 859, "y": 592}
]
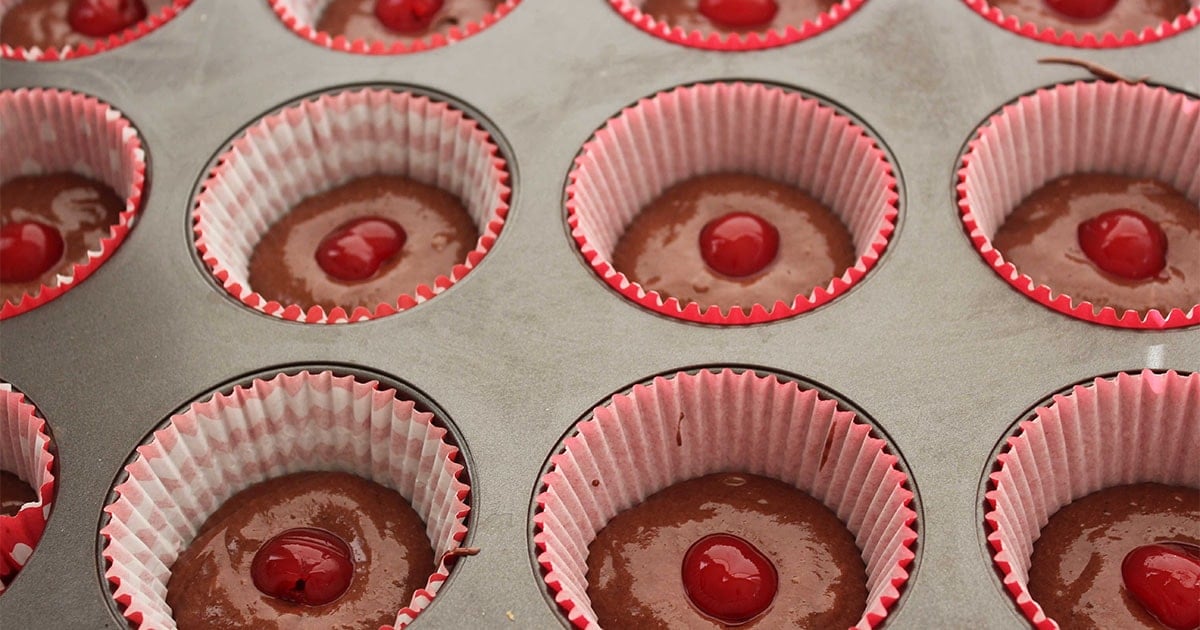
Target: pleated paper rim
[
  {"x": 100, "y": 44},
  {"x": 734, "y": 42},
  {"x": 131, "y": 145},
  {"x": 26, "y": 526},
  {"x": 450, "y": 456},
  {"x": 374, "y": 47},
  {"x": 872, "y": 249},
  {"x": 489, "y": 229},
  {"x": 1044, "y": 418},
  {"x": 1049, "y": 35},
  {"x": 905, "y": 538},
  {"x": 1151, "y": 319}
]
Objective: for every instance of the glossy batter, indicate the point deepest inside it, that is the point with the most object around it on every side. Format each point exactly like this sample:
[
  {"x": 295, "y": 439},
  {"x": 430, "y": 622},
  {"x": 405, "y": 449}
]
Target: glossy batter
[
  {"x": 686, "y": 14},
  {"x": 43, "y": 24},
  {"x": 355, "y": 19},
  {"x": 1076, "y": 566},
  {"x": 634, "y": 563},
  {"x": 284, "y": 268},
  {"x": 660, "y": 249},
  {"x": 1039, "y": 238},
  {"x": 83, "y": 210},
  {"x": 211, "y": 585}
]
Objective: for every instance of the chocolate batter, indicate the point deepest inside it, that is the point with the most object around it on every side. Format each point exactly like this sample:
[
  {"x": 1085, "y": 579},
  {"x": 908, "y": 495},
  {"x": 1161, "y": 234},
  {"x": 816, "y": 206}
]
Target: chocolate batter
[
  {"x": 84, "y": 211},
  {"x": 1076, "y": 566},
  {"x": 283, "y": 266},
  {"x": 43, "y": 24},
  {"x": 14, "y": 493},
  {"x": 211, "y": 586},
  {"x": 660, "y": 248},
  {"x": 686, "y": 14},
  {"x": 1126, "y": 15},
  {"x": 634, "y": 563},
  {"x": 1040, "y": 239},
  {"x": 356, "y": 19}
]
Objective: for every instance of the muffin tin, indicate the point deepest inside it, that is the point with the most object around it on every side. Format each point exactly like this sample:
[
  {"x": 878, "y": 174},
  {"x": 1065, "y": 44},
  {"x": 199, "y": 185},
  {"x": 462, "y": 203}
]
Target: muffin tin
[{"x": 932, "y": 345}]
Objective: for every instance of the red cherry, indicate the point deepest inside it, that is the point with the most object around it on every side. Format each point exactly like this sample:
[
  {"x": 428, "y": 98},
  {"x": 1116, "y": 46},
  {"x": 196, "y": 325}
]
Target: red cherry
[
  {"x": 28, "y": 249},
  {"x": 739, "y": 244},
  {"x": 740, "y": 13},
  {"x": 357, "y": 249},
  {"x": 1165, "y": 579},
  {"x": 728, "y": 578},
  {"x": 1125, "y": 243},
  {"x": 98, "y": 18},
  {"x": 304, "y": 566},
  {"x": 1082, "y": 9},
  {"x": 407, "y": 16}
]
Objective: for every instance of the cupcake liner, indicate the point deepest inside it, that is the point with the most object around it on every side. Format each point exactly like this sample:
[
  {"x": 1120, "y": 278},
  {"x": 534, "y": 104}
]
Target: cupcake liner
[
  {"x": 716, "y": 40},
  {"x": 47, "y": 131},
  {"x": 1080, "y": 443},
  {"x": 25, "y": 451},
  {"x": 687, "y": 131},
  {"x": 325, "y": 141},
  {"x": 1086, "y": 40},
  {"x": 637, "y": 444},
  {"x": 220, "y": 446},
  {"x": 301, "y": 16},
  {"x": 1128, "y": 129},
  {"x": 98, "y": 45}
]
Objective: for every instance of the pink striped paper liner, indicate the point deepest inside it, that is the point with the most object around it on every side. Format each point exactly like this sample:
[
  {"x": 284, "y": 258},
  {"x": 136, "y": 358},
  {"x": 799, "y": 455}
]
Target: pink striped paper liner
[
  {"x": 25, "y": 451},
  {"x": 732, "y": 42},
  {"x": 732, "y": 422},
  {"x": 1080, "y": 443},
  {"x": 1084, "y": 127},
  {"x": 98, "y": 45},
  {"x": 1086, "y": 39},
  {"x": 325, "y": 141},
  {"x": 730, "y": 127},
  {"x": 271, "y": 428},
  {"x": 301, "y": 17},
  {"x": 48, "y": 131}
]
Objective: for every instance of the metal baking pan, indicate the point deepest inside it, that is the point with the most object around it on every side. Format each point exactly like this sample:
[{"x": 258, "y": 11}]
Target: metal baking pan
[{"x": 937, "y": 349}]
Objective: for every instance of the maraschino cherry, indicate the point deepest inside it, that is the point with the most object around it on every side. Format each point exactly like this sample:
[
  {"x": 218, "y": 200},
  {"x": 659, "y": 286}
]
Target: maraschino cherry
[
  {"x": 740, "y": 13},
  {"x": 407, "y": 16},
  {"x": 1165, "y": 579},
  {"x": 739, "y": 244},
  {"x": 28, "y": 249},
  {"x": 729, "y": 579},
  {"x": 356, "y": 250},
  {"x": 1124, "y": 242},
  {"x": 1082, "y": 9},
  {"x": 98, "y": 18},
  {"x": 304, "y": 566}
]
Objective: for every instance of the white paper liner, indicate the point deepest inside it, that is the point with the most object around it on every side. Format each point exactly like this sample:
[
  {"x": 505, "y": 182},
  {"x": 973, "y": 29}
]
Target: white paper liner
[
  {"x": 1088, "y": 39},
  {"x": 716, "y": 40},
  {"x": 731, "y": 422},
  {"x": 100, "y": 44},
  {"x": 721, "y": 127},
  {"x": 268, "y": 429},
  {"x": 301, "y": 17},
  {"x": 1080, "y": 443},
  {"x": 25, "y": 452},
  {"x": 326, "y": 141},
  {"x": 1126, "y": 129},
  {"x": 47, "y": 131}
]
